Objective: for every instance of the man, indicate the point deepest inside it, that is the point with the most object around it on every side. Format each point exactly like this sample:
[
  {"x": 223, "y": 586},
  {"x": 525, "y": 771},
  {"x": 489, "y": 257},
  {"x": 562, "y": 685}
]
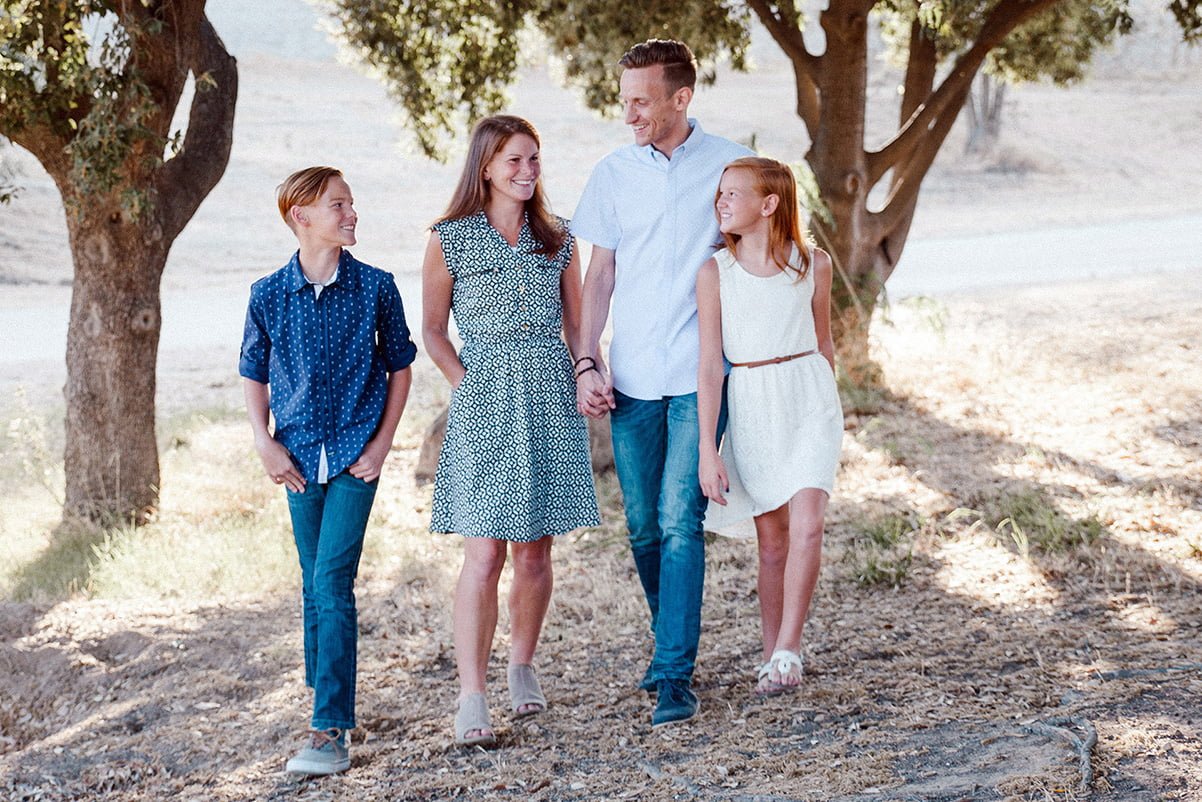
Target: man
[{"x": 648, "y": 212}]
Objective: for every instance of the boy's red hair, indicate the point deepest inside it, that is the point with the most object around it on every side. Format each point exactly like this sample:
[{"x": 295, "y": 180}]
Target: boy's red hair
[{"x": 303, "y": 188}]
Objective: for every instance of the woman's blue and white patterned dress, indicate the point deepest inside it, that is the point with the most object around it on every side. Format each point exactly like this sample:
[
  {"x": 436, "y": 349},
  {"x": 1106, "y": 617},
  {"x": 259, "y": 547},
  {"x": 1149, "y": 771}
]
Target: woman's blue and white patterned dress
[{"x": 515, "y": 462}]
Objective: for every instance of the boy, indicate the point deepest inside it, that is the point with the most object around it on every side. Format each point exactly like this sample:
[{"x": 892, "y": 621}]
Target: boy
[{"x": 326, "y": 348}]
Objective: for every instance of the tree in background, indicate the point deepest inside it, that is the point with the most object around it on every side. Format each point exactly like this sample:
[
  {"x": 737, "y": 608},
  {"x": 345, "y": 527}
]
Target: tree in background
[
  {"x": 89, "y": 87},
  {"x": 448, "y": 62},
  {"x": 983, "y": 110}
]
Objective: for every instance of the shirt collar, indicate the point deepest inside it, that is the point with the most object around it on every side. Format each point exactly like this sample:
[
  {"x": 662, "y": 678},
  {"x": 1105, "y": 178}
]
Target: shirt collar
[
  {"x": 344, "y": 273},
  {"x": 690, "y": 143}
]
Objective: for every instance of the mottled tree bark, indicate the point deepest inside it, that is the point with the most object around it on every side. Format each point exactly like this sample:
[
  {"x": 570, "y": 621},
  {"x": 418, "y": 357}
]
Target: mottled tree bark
[
  {"x": 866, "y": 244},
  {"x": 119, "y": 252}
]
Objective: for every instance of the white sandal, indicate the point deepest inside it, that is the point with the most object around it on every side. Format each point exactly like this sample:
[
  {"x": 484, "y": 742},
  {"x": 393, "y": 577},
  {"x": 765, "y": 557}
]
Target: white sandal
[
  {"x": 764, "y": 686},
  {"x": 782, "y": 663}
]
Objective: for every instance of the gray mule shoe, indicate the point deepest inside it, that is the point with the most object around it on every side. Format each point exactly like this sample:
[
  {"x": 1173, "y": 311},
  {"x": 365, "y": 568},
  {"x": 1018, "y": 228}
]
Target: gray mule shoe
[
  {"x": 524, "y": 690},
  {"x": 326, "y": 753},
  {"x": 473, "y": 717}
]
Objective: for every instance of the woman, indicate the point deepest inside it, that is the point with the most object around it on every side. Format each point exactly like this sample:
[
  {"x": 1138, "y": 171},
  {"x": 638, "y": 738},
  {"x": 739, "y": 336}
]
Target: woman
[{"x": 514, "y": 469}]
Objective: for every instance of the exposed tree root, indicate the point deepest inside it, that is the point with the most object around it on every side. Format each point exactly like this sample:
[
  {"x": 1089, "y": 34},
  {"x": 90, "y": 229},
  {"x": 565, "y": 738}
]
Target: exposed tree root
[
  {"x": 1130, "y": 673},
  {"x": 1060, "y": 727}
]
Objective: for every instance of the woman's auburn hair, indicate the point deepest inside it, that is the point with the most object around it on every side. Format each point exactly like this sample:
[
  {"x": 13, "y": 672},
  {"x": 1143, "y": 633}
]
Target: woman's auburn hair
[
  {"x": 771, "y": 177},
  {"x": 471, "y": 195}
]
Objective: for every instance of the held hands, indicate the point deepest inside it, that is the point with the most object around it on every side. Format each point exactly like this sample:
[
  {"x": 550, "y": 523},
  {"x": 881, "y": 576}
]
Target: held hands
[
  {"x": 371, "y": 461},
  {"x": 277, "y": 462},
  {"x": 711, "y": 471},
  {"x": 594, "y": 388}
]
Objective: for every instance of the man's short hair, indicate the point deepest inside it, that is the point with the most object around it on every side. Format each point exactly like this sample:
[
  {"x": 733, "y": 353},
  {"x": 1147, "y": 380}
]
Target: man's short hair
[
  {"x": 680, "y": 68},
  {"x": 302, "y": 188}
]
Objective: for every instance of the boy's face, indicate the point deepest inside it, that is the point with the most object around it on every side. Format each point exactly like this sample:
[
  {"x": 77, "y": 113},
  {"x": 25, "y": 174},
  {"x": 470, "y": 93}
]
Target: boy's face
[{"x": 329, "y": 220}]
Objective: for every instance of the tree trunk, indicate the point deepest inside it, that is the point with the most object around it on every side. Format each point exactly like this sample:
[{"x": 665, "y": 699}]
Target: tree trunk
[
  {"x": 111, "y": 456},
  {"x": 838, "y": 160}
]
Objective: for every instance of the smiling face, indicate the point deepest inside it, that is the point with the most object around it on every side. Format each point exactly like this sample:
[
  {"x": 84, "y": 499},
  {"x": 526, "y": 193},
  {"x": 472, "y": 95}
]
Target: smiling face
[
  {"x": 513, "y": 172},
  {"x": 657, "y": 114},
  {"x": 740, "y": 205},
  {"x": 331, "y": 219}
]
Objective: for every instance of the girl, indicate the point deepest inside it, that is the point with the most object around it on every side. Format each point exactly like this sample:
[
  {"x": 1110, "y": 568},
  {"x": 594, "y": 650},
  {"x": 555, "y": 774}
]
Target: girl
[
  {"x": 764, "y": 302},
  {"x": 514, "y": 468}
]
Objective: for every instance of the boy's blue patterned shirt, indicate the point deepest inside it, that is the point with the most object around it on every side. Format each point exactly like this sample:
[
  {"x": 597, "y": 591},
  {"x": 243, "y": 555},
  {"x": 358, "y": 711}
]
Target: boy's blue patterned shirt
[{"x": 326, "y": 358}]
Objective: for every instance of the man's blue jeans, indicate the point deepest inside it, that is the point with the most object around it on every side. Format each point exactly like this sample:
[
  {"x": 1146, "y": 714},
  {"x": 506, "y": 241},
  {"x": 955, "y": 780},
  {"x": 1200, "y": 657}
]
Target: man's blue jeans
[
  {"x": 655, "y": 454},
  {"x": 328, "y": 522}
]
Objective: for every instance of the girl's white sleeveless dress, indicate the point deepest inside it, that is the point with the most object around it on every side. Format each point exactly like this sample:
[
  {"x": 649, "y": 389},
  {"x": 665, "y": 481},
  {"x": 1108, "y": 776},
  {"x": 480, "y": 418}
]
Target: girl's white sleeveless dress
[{"x": 785, "y": 425}]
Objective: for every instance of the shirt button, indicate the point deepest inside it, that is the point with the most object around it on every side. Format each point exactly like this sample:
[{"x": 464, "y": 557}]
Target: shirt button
[
  {"x": 522, "y": 289},
  {"x": 522, "y": 307},
  {"x": 525, "y": 327}
]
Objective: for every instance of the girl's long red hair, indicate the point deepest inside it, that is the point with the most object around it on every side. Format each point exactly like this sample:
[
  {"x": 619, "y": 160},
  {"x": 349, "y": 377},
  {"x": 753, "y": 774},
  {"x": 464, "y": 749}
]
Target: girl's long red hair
[{"x": 771, "y": 177}]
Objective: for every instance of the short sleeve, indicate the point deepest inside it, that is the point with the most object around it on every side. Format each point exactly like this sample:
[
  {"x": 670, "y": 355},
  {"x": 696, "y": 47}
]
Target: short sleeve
[
  {"x": 564, "y": 257},
  {"x": 393, "y": 337},
  {"x": 596, "y": 219},
  {"x": 447, "y": 241},
  {"x": 256, "y": 344}
]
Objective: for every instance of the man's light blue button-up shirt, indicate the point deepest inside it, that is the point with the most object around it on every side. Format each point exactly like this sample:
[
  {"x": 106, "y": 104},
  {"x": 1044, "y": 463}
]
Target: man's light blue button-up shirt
[{"x": 657, "y": 215}]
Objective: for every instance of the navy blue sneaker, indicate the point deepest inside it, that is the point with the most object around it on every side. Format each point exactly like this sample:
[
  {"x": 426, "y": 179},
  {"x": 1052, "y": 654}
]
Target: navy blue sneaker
[
  {"x": 647, "y": 683},
  {"x": 676, "y": 702}
]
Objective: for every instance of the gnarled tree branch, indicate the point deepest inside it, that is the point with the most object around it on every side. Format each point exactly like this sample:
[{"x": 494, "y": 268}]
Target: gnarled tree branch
[
  {"x": 784, "y": 26},
  {"x": 947, "y": 99},
  {"x": 190, "y": 176}
]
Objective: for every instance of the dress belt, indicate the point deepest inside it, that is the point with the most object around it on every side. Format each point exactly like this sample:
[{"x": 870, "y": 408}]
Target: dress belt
[{"x": 776, "y": 360}]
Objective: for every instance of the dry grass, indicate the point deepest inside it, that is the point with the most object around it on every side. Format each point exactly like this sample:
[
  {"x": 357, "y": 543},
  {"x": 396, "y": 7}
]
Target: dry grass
[{"x": 1070, "y": 416}]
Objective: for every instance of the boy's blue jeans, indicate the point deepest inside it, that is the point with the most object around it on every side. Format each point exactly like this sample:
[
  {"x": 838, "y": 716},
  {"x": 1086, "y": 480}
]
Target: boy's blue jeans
[
  {"x": 328, "y": 522},
  {"x": 655, "y": 454}
]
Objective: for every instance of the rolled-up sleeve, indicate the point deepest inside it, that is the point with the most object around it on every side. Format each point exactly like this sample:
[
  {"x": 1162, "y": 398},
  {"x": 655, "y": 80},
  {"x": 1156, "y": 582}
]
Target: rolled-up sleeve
[{"x": 256, "y": 345}]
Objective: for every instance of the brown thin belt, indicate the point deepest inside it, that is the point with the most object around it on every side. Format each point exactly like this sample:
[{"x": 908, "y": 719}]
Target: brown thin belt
[{"x": 776, "y": 360}]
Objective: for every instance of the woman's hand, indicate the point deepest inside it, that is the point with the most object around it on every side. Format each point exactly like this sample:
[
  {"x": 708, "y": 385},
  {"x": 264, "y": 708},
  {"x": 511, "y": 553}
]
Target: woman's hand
[{"x": 594, "y": 392}]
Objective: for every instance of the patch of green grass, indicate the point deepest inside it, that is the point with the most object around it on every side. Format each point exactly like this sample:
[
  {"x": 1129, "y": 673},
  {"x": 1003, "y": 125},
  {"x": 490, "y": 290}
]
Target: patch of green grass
[
  {"x": 862, "y": 398},
  {"x": 1030, "y": 521},
  {"x": 882, "y": 549},
  {"x": 31, "y": 448},
  {"x": 220, "y": 531},
  {"x": 931, "y": 312}
]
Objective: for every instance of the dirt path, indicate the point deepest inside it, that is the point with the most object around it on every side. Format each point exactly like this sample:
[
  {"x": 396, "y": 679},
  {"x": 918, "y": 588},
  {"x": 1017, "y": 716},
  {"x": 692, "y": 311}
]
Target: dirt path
[{"x": 1072, "y": 413}]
